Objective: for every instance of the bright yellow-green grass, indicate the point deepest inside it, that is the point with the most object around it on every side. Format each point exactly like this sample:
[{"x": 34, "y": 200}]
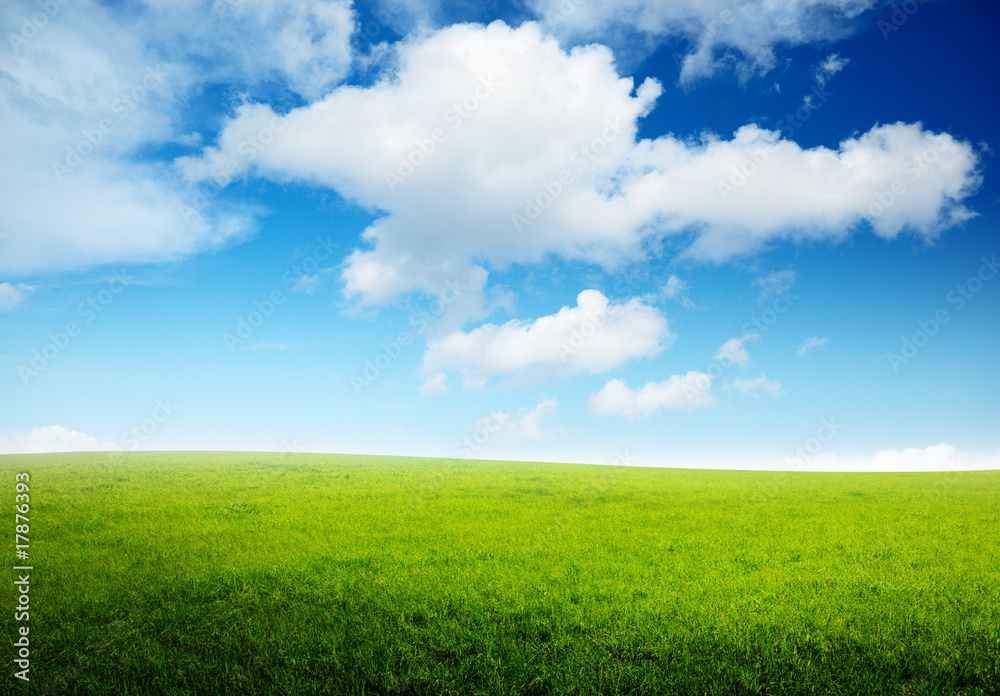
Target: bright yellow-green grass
[{"x": 245, "y": 573}]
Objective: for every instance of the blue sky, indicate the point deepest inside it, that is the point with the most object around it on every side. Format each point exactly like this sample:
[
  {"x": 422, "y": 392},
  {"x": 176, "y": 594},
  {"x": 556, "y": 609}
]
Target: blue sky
[{"x": 721, "y": 234}]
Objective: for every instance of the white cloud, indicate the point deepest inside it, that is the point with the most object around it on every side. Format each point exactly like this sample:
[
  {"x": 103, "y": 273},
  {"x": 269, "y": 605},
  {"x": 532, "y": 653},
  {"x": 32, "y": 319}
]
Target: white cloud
[
  {"x": 593, "y": 337},
  {"x": 403, "y": 17},
  {"x": 720, "y": 33},
  {"x": 52, "y": 438},
  {"x": 13, "y": 294},
  {"x": 531, "y": 425},
  {"x": 526, "y": 425},
  {"x": 940, "y": 457},
  {"x": 673, "y": 287},
  {"x": 752, "y": 386},
  {"x": 510, "y": 109},
  {"x": 832, "y": 65},
  {"x": 894, "y": 177},
  {"x": 188, "y": 140},
  {"x": 310, "y": 283},
  {"x": 83, "y": 94},
  {"x": 812, "y": 342},
  {"x": 437, "y": 384},
  {"x": 732, "y": 351},
  {"x": 79, "y": 98},
  {"x": 305, "y": 44},
  {"x": 679, "y": 392},
  {"x": 775, "y": 283},
  {"x": 481, "y": 147},
  {"x": 676, "y": 289}
]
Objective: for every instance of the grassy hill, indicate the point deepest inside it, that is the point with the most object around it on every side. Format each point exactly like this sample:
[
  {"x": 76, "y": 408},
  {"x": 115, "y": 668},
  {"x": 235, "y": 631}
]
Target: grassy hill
[{"x": 253, "y": 573}]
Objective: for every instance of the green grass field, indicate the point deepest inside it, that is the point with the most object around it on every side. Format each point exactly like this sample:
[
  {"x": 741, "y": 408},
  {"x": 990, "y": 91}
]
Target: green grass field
[{"x": 244, "y": 573}]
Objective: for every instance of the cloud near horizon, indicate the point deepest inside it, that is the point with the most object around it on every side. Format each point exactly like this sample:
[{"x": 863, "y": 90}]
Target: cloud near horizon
[
  {"x": 940, "y": 457},
  {"x": 525, "y": 425},
  {"x": 52, "y": 438}
]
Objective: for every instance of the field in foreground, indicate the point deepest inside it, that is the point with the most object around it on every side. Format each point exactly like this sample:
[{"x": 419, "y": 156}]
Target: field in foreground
[{"x": 219, "y": 573}]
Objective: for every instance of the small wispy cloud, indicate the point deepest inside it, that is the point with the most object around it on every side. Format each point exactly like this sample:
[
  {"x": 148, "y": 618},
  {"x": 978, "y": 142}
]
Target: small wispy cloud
[
  {"x": 751, "y": 387},
  {"x": 732, "y": 351},
  {"x": 189, "y": 139},
  {"x": 774, "y": 284},
  {"x": 12, "y": 295},
  {"x": 676, "y": 289},
  {"x": 812, "y": 342},
  {"x": 438, "y": 384},
  {"x": 309, "y": 283},
  {"x": 832, "y": 65},
  {"x": 529, "y": 424}
]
